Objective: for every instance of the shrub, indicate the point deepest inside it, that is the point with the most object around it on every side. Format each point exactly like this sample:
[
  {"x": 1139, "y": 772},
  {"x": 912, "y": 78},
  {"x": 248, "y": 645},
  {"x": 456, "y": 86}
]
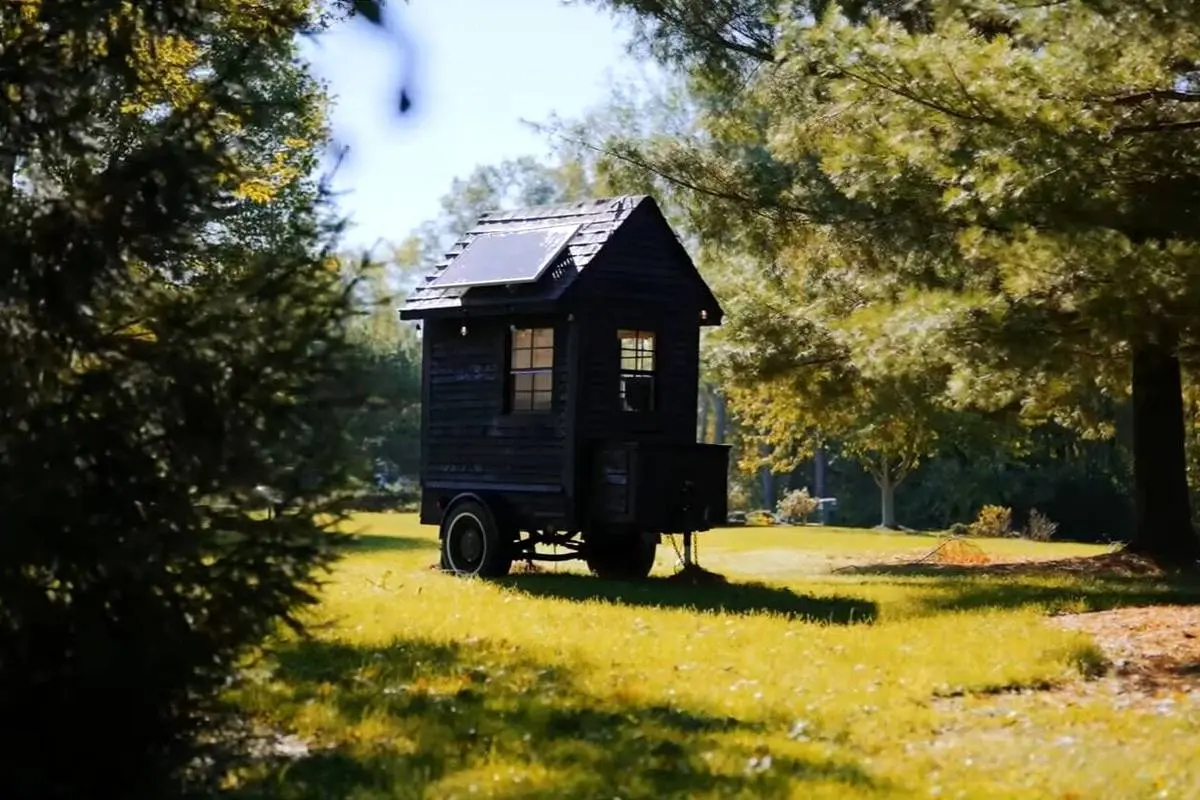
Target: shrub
[
  {"x": 173, "y": 338},
  {"x": 1040, "y": 528},
  {"x": 760, "y": 517},
  {"x": 992, "y": 522},
  {"x": 797, "y": 504}
]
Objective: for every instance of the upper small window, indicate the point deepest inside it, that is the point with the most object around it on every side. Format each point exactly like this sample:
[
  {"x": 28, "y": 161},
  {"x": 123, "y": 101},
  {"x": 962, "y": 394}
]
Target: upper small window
[
  {"x": 637, "y": 370},
  {"x": 531, "y": 369}
]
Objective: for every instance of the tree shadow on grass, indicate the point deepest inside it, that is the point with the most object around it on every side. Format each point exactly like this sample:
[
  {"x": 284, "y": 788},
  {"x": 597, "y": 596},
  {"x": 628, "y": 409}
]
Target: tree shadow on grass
[
  {"x": 374, "y": 543},
  {"x": 968, "y": 594},
  {"x": 442, "y": 717},
  {"x": 1112, "y": 566},
  {"x": 938, "y": 592},
  {"x": 738, "y": 598}
]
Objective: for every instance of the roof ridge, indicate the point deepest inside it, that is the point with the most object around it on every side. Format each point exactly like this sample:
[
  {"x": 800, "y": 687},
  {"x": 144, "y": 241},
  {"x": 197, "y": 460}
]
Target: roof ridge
[{"x": 578, "y": 208}]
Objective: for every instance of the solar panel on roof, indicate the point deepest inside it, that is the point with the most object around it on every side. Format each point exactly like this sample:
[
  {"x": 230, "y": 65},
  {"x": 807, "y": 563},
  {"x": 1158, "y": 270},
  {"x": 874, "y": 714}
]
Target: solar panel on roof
[{"x": 506, "y": 257}]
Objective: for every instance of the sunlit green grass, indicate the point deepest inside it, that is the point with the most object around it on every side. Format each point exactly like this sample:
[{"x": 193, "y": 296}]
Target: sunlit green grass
[{"x": 808, "y": 684}]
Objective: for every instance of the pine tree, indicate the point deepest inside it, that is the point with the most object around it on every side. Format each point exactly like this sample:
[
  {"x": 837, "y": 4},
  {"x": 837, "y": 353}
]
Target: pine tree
[
  {"x": 173, "y": 333},
  {"x": 1015, "y": 181}
]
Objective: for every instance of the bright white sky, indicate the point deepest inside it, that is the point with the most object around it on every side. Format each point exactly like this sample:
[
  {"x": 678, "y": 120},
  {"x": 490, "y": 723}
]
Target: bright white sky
[{"x": 480, "y": 67}]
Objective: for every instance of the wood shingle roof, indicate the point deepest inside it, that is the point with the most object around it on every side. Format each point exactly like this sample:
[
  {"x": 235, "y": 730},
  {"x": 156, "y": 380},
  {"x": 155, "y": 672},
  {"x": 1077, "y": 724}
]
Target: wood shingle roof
[{"x": 597, "y": 219}]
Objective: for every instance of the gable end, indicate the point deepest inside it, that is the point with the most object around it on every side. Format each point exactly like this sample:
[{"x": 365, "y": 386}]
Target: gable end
[{"x": 645, "y": 262}]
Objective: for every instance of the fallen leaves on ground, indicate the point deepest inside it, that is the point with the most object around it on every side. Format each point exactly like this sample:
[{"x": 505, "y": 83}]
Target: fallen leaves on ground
[
  {"x": 1152, "y": 649},
  {"x": 1119, "y": 564}
]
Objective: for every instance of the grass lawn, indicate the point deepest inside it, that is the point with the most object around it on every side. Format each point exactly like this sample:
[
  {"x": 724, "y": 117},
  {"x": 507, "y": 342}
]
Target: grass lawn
[{"x": 791, "y": 681}]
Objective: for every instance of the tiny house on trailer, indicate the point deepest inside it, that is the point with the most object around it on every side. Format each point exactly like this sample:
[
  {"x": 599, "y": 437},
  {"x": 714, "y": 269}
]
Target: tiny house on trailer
[{"x": 559, "y": 380}]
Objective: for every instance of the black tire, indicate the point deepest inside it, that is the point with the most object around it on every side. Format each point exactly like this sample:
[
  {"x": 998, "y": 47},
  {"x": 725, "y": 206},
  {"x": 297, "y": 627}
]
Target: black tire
[
  {"x": 472, "y": 542},
  {"x": 624, "y": 555}
]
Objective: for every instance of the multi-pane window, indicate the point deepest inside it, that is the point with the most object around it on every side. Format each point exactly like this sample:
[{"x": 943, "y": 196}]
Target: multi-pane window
[
  {"x": 531, "y": 369},
  {"x": 637, "y": 370}
]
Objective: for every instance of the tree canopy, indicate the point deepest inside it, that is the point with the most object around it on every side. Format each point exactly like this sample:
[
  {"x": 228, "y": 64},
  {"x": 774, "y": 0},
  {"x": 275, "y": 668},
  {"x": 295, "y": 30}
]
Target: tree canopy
[
  {"x": 1006, "y": 189},
  {"x": 175, "y": 327}
]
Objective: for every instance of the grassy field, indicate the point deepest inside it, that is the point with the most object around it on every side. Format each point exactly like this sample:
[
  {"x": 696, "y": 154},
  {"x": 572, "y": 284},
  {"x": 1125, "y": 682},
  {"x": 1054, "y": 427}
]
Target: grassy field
[{"x": 791, "y": 681}]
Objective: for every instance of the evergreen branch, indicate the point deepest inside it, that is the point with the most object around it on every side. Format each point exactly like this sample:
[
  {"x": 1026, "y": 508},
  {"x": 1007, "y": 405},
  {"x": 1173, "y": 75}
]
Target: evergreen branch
[
  {"x": 751, "y": 204},
  {"x": 1155, "y": 94},
  {"x": 971, "y": 99},
  {"x": 1158, "y": 127},
  {"x": 708, "y": 35},
  {"x": 915, "y": 98}
]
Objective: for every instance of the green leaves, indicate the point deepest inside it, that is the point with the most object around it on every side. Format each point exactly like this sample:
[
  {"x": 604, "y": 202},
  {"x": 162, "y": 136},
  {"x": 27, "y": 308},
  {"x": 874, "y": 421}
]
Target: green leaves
[
  {"x": 989, "y": 204},
  {"x": 171, "y": 341},
  {"x": 1039, "y": 155}
]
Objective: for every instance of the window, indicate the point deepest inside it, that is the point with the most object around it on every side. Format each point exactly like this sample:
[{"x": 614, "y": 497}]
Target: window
[
  {"x": 531, "y": 369},
  {"x": 637, "y": 370}
]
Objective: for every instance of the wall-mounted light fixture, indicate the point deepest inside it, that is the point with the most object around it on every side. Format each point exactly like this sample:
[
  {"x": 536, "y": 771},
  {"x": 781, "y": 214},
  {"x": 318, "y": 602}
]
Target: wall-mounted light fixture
[
  {"x": 703, "y": 313},
  {"x": 463, "y": 330}
]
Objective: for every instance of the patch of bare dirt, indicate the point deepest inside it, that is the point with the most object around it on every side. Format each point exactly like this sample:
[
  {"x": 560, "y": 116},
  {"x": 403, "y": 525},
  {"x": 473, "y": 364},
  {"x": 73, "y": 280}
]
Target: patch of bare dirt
[
  {"x": 1154, "y": 653},
  {"x": 1152, "y": 649},
  {"x": 787, "y": 563},
  {"x": 1109, "y": 565},
  {"x": 695, "y": 575}
]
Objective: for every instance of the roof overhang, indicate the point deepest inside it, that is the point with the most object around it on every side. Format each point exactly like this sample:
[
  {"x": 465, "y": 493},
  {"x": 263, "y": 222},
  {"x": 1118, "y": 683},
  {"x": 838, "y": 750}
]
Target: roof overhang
[{"x": 495, "y": 309}]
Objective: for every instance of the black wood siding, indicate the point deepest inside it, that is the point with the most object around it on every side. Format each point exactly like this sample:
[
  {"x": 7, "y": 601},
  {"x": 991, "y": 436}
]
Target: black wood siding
[
  {"x": 676, "y": 372},
  {"x": 469, "y": 439},
  {"x": 641, "y": 280}
]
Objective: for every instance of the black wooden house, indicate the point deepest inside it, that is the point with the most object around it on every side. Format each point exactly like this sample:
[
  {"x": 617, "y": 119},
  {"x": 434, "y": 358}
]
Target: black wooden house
[{"x": 560, "y": 370}]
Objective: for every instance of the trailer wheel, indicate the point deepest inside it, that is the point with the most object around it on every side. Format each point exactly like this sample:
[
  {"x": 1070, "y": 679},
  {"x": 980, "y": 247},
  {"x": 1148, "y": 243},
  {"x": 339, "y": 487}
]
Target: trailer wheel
[
  {"x": 626, "y": 555},
  {"x": 472, "y": 543}
]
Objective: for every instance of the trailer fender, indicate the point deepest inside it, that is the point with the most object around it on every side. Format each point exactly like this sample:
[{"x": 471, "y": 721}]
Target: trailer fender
[{"x": 501, "y": 514}]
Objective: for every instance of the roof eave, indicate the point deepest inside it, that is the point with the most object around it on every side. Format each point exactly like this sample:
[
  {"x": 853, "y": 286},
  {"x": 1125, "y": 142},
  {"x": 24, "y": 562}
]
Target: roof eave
[{"x": 538, "y": 305}]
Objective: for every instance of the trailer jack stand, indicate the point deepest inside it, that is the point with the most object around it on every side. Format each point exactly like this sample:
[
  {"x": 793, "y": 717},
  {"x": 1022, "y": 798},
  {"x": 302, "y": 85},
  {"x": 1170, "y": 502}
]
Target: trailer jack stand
[
  {"x": 690, "y": 572},
  {"x": 686, "y": 556}
]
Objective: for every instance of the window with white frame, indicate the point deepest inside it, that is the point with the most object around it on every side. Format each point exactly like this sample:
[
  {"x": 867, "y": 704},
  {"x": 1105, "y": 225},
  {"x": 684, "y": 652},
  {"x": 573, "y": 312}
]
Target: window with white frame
[
  {"x": 531, "y": 370},
  {"x": 636, "y": 381}
]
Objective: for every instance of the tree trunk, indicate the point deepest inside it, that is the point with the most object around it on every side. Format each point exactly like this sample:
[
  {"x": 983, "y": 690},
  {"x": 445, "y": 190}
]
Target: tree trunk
[
  {"x": 1162, "y": 509},
  {"x": 720, "y": 418},
  {"x": 768, "y": 488},
  {"x": 887, "y": 499},
  {"x": 819, "y": 483},
  {"x": 705, "y": 403},
  {"x": 768, "y": 480},
  {"x": 798, "y": 477}
]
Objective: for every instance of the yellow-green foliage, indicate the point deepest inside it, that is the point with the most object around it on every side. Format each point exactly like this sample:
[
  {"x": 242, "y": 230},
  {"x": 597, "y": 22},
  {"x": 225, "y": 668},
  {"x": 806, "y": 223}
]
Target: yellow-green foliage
[
  {"x": 559, "y": 685},
  {"x": 797, "y": 504},
  {"x": 992, "y": 521},
  {"x": 759, "y": 517}
]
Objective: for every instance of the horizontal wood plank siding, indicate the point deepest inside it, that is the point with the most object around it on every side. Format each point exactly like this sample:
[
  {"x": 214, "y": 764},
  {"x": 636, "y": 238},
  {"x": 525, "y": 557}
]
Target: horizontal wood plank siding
[
  {"x": 468, "y": 434},
  {"x": 641, "y": 280}
]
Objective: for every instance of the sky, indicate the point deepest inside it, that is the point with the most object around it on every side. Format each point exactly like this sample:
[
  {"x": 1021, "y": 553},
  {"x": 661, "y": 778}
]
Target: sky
[{"x": 476, "y": 68}]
